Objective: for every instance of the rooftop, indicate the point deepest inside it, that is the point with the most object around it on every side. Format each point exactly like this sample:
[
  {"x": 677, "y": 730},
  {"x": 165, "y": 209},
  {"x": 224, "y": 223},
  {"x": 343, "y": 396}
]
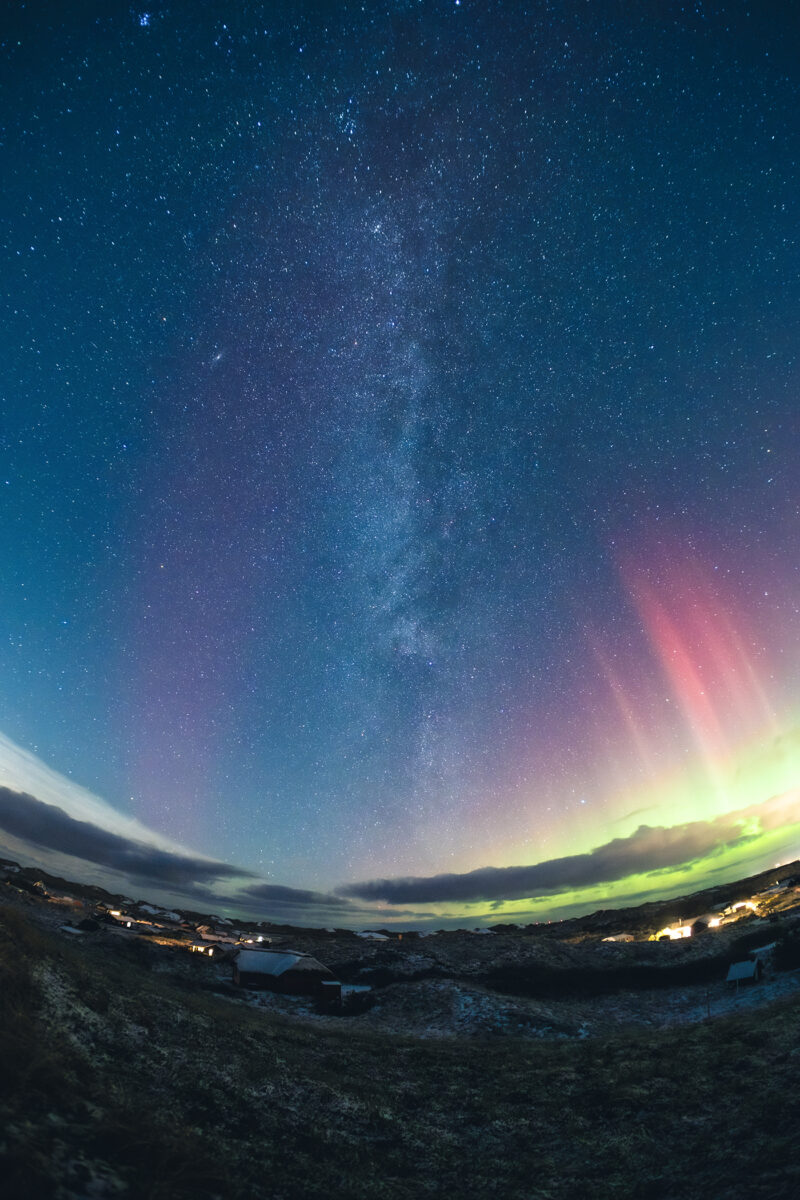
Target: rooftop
[{"x": 276, "y": 962}]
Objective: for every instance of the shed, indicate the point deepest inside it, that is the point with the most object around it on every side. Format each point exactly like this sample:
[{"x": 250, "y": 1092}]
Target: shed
[
  {"x": 749, "y": 971},
  {"x": 287, "y": 971},
  {"x": 329, "y": 996}
]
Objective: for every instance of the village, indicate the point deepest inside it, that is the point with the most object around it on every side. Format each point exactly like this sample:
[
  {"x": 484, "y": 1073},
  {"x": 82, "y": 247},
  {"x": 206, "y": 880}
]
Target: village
[{"x": 566, "y": 979}]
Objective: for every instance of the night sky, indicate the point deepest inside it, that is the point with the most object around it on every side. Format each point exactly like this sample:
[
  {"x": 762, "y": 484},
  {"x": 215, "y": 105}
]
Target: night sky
[{"x": 398, "y": 458}]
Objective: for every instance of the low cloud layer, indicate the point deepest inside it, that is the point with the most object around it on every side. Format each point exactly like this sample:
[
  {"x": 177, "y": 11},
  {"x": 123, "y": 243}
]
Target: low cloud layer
[
  {"x": 646, "y": 850},
  {"x": 45, "y": 825},
  {"x": 276, "y": 895},
  {"x": 51, "y": 816},
  {"x": 48, "y": 828}
]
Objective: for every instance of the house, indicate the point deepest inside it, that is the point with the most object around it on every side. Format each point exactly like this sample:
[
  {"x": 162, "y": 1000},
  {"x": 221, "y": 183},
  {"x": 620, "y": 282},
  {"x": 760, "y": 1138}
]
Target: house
[
  {"x": 672, "y": 933},
  {"x": 619, "y": 937},
  {"x": 36, "y": 888},
  {"x": 287, "y": 971},
  {"x": 208, "y": 933},
  {"x": 209, "y": 950},
  {"x": 749, "y": 971},
  {"x": 709, "y": 920},
  {"x": 734, "y": 911},
  {"x": 106, "y": 918}
]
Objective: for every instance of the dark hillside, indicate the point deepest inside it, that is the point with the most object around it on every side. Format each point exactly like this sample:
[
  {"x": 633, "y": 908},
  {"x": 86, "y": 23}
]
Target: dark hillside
[{"x": 119, "y": 1083}]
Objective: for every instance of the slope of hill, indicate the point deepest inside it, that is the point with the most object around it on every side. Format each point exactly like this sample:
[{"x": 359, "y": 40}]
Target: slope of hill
[{"x": 132, "y": 1070}]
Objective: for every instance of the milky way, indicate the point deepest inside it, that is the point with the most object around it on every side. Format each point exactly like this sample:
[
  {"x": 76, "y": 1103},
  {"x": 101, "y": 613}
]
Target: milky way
[{"x": 399, "y": 432}]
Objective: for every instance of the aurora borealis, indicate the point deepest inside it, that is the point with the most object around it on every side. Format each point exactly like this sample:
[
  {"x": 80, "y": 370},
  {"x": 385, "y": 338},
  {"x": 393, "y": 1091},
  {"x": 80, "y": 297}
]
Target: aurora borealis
[{"x": 399, "y": 451}]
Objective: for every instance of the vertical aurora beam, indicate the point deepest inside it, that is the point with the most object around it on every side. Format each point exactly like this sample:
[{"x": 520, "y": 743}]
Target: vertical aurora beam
[
  {"x": 686, "y": 697},
  {"x": 690, "y": 684},
  {"x": 628, "y": 711},
  {"x": 702, "y": 654}
]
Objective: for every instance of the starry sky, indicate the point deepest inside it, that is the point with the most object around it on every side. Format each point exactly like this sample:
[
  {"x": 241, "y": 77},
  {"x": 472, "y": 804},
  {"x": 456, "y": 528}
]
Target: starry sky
[{"x": 398, "y": 458}]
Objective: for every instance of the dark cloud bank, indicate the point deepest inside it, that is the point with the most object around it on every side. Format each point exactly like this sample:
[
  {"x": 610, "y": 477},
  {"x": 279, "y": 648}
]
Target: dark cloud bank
[
  {"x": 649, "y": 848},
  {"x": 51, "y": 828},
  {"x": 48, "y": 826},
  {"x": 275, "y": 894}
]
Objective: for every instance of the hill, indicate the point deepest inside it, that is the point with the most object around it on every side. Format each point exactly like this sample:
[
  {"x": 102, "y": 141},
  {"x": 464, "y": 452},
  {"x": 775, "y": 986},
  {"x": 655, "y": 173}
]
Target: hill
[{"x": 133, "y": 1069}]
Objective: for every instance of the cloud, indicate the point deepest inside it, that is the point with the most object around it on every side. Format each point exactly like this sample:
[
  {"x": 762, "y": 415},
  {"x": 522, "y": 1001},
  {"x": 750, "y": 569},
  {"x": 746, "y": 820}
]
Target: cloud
[
  {"x": 47, "y": 827},
  {"x": 22, "y": 771},
  {"x": 50, "y": 827},
  {"x": 647, "y": 849},
  {"x": 273, "y": 894}
]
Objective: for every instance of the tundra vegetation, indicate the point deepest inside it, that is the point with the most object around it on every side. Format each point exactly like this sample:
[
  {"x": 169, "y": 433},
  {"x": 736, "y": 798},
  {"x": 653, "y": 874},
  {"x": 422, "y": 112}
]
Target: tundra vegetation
[{"x": 122, "y": 1080}]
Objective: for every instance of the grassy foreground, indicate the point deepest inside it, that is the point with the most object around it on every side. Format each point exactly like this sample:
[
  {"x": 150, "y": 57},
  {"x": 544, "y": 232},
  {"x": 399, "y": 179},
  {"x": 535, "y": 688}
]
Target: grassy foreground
[{"x": 119, "y": 1082}]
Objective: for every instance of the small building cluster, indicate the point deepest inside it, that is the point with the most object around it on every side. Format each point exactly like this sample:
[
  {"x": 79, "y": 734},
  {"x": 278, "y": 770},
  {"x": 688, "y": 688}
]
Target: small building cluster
[{"x": 711, "y": 920}]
